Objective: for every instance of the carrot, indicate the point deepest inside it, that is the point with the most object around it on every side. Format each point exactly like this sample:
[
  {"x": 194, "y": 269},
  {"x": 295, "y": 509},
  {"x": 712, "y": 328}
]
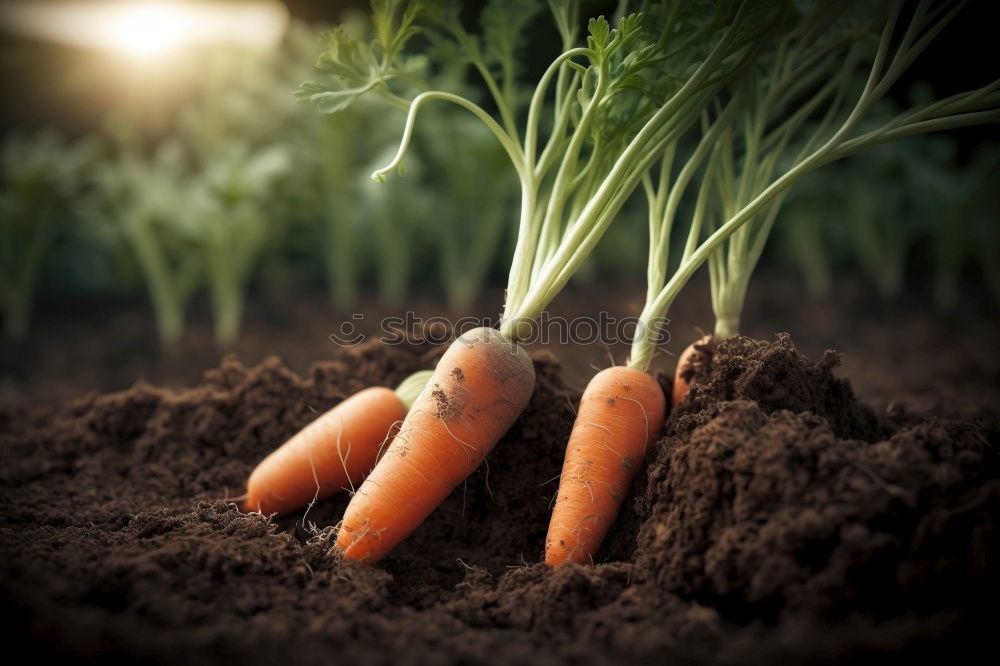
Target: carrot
[
  {"x": 620, "y": 413},
  {"x": 333, "y": 452},
  {"x": 685, "y": 365},
  {"x": 479, "y": 388}
]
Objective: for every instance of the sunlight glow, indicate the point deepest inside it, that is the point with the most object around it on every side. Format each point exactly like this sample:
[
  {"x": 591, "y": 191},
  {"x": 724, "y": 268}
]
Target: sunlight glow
[{"x": 148, "y": 29}]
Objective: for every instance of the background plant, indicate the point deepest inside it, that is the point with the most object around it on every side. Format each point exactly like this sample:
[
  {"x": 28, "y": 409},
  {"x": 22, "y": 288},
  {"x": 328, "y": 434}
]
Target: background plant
[
  {"x": 469, "y": 228},
  {"x": 143, "y": 200},
  {"x": 885, "y": 221},
  {"x": 41, "y": 176},
  {"x": 233, "y": 206},
  {"x": 805, "y": 241}
]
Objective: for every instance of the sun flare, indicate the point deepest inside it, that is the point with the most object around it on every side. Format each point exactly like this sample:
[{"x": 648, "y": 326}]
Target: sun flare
[{"x": 147, "y": 29}]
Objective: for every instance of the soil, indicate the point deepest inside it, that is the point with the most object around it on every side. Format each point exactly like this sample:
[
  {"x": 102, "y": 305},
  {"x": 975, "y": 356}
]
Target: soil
[{"x": 778, "y": 520}]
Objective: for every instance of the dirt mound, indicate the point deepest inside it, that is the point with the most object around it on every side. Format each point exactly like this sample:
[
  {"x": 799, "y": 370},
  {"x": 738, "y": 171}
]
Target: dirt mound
[
  {"x": 777, "y": 517},
  {"x": 775, "y": 376},
  {"x": 760, "y": 505}
]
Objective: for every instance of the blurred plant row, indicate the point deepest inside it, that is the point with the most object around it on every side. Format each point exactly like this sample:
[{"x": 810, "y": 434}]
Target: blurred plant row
[
  {"x": 253, "y": 189},
  {"x": 905, "y": 210}
]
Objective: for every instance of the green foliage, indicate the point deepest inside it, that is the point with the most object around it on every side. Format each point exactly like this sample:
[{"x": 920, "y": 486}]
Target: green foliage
[
  {"x": 353, "y": 67},
  {"x": 141, "y": 200},
  {"x": 960, "y": 209},
  {"x": 618, "y": 101},
  {"x": 715, "y": 108},
  {"x": 232, "y": 205},
  {"x": 884, "y": 214},
  {"x": 884, "y": 220},
  {"x": 463, "y": 162},
  {"x": 40, "y": 175},
  {"x": 796, "y": 109},
  {"x": 204, "y": 205}
]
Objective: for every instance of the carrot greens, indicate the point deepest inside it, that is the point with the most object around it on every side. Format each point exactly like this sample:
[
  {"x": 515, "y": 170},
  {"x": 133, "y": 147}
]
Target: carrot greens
[
  {"x": 767, "y": 145},
  {"x": 616, "y": 103}
]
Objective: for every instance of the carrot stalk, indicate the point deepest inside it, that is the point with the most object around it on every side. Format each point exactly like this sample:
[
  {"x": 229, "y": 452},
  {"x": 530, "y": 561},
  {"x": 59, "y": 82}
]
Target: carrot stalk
[
  {"x": 620, "y": 414},
  {"x": 411, "y": 387},
  {"x": 479, "y": 388},
  {"x": 332, "y": 453}
]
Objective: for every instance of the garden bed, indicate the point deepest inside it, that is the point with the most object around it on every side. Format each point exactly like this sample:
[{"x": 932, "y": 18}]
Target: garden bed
[{"x": 779, "y": 518}]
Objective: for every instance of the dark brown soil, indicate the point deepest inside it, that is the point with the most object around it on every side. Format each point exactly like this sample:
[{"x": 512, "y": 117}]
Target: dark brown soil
[{"x": 779, "y": 520}]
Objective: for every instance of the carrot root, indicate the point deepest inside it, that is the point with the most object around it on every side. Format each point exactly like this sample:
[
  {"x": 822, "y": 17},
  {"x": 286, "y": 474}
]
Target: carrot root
[
  {"x": 332, "y": 453},
  {"x": 479, "y": 388},
  {"x": 621, "y": 411}
]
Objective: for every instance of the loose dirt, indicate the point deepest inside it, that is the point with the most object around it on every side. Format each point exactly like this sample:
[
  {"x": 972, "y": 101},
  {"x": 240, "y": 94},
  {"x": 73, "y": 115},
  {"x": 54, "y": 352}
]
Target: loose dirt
[{"x": 777, "y": 519}]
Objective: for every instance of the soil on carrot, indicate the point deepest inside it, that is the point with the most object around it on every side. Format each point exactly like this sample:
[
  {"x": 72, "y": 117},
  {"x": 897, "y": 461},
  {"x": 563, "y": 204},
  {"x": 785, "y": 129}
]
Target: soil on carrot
[{"x": 777, "y": 519}]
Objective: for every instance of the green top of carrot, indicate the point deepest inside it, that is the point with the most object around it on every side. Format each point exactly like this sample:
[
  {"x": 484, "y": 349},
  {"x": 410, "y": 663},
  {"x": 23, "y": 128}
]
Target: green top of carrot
[
  {"x": 806, "y": 77},
  {"x": 410, "y": 388},
  {"x": 597, "y": 119}
]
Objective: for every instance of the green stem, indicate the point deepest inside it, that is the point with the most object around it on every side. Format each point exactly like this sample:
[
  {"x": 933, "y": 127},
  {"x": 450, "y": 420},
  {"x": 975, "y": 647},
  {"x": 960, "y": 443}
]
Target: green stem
[
  {"x": 805, "y": 236},
  {"x": 20, "y": 290},
  {"x": 341, "y": 246},
  {"x": 669, "y": 121},
  {"x": 169, "y": 321},
  {"x": 538, "y": 98},
  {"x": 410, "y": 388},
  {"x": 167, "y": 306},
  {"x": 227, "y": 304},
  {"x": 727, "y": 326},
  {"x": 509, "y": 144}
]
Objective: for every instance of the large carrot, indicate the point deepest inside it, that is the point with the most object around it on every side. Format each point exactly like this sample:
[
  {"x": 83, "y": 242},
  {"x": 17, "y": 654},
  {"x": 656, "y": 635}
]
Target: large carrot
[
  {"x": 620, "y": 413},
  {"x": 479, "y": 388},
  {"x": 685, "y": 364},
  {"x": 333, "y": 452}
]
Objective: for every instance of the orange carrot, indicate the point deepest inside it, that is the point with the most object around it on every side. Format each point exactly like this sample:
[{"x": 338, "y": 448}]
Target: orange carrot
[
  {"x": 479, "y": 388},
  {"x": 620, "y": 413},
  {"x": 332, "y": 453},
  {"x": 684, "y": 363}
]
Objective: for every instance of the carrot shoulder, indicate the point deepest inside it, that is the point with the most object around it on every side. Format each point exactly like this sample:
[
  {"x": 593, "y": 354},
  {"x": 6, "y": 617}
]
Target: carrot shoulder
[
  {"x": 332, "y": 453},
  {"x": 682, "y": 385},
  {"x": 620, "y": 413},
  {"x": 479, "y": 388}
]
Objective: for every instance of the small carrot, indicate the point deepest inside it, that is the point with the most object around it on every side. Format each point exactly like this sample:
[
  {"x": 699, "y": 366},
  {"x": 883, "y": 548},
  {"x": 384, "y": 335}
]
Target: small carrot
[
  {"x": 684, "y": 366},
  {"x": 332, "y": 453},
  {"x": 479, "y": 388},
  {"x": 620, "y": 413}
]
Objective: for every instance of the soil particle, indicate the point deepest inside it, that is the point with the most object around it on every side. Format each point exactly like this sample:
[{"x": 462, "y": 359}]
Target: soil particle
[
  {"x": 450, "y": 401},
  {"x": 777, "y": 520}
]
